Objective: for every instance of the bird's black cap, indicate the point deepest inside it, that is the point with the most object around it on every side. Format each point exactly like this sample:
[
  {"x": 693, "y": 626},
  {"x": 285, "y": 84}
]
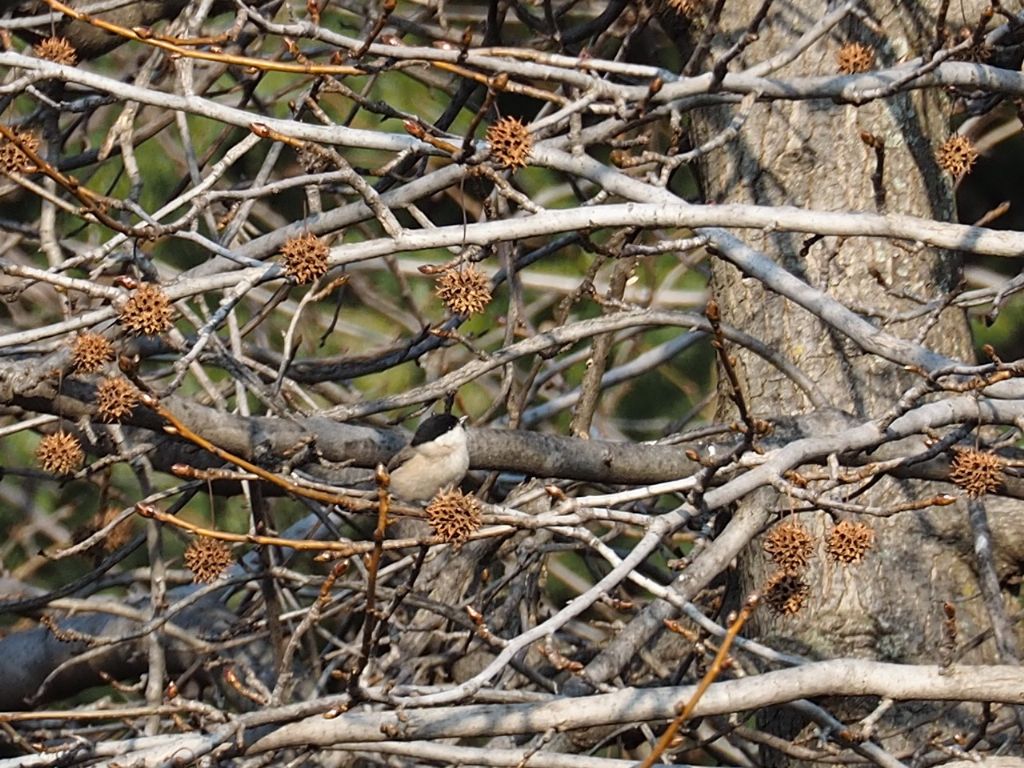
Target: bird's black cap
[{"x": 433, "y": 427}]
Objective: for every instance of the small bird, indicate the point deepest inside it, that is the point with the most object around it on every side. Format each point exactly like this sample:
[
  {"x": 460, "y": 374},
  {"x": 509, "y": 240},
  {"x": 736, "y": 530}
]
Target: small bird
[{"x": 436, "y": 457}]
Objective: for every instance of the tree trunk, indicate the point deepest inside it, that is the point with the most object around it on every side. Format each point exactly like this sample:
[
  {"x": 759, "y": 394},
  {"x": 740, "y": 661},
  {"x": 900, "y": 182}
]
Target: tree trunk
[{"x": 812, "y": 154}]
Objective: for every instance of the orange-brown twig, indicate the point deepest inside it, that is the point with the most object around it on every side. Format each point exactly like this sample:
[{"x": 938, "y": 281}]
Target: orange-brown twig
[
  {"x": 93, "y": 203},
  {"x": 177, "y": 427},
  {"x": 509, "y": 85},
  {"x": 341, "y": 548},
  {"x": 370, "y": 611},
  {"x": 325, "y": 589},
  {"x": 417, "y": 131},
  {"x": 266, "y": 132},
  {"x": 232, "y": 679},
  {"x": 144, "y": 36},
  {"x": 386, "y": 10},
  {"x": 188, "y": 472},
  {"x": 709, "y": 677}
]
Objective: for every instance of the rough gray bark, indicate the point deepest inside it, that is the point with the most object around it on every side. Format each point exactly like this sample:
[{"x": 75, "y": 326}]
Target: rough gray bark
[{"x": 811, "y": 153}]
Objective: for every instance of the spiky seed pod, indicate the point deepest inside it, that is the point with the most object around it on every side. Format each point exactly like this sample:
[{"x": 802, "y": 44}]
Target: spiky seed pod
[
  {"x": 305, "y": 258},
  {"x": 60, "y": 453},
  {"x": 790, "y": 546},
  {"x": 115, "y": 398},
  {"x": 510, "y": 142},
  {"x": 854, "y": 58},
  {"x": 957, "y": 155},
  {"x": 977, "y": 472},
  {"x": 148, "y": 311},
  {"x": 848, "y": 542},
  {"x": 57, "y": 49},
  {"x": 12, "y": 159},
  {"x": 464, "y": 291},
  {"x": 786, "y": 593},
  {"x": 207, "y": 559},
  {"x": 91, "y": 352},
  {"x": 454, "y": 515}
]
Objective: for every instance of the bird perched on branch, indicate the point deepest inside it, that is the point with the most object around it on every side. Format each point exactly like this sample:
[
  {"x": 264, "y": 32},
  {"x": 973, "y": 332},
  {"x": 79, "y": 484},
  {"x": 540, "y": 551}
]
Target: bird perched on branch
[{"x": 436, "y": 457}]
